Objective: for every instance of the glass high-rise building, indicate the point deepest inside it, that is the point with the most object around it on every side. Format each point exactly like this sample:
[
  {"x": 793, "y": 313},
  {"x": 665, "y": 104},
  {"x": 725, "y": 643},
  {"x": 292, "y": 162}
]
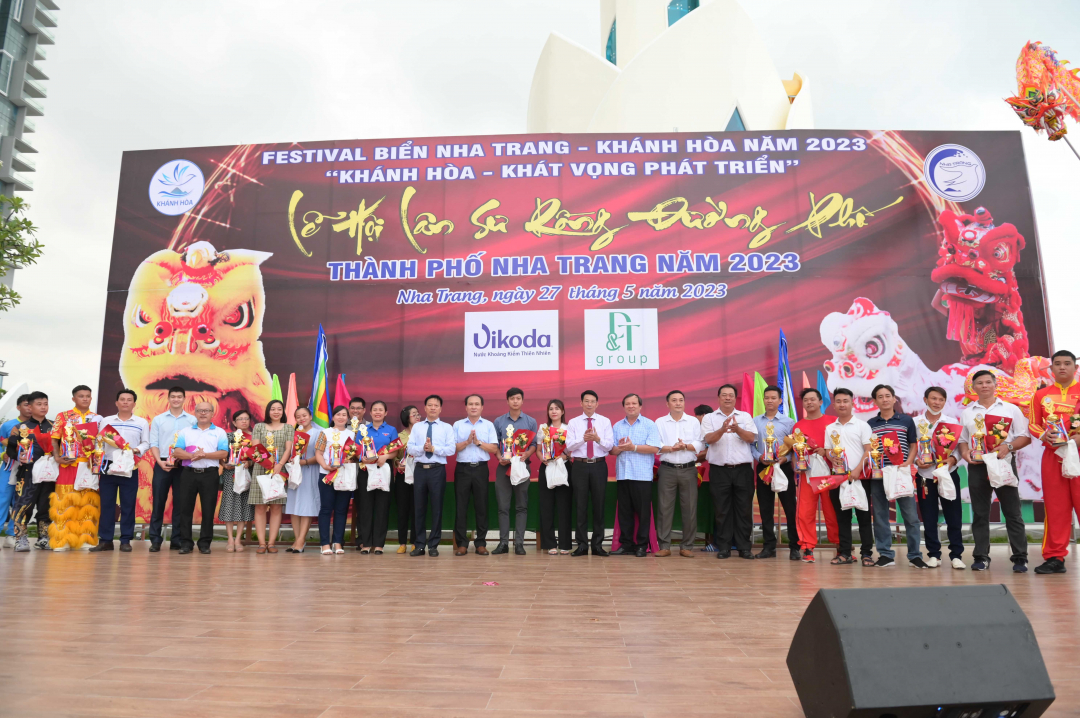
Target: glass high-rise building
[{"x": 26, "y": 29}]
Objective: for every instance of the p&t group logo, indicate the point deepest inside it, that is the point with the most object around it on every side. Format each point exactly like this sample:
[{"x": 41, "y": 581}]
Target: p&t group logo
[
  {"x": 621, "y": 339},
  {"x": 176, "y": 187}
]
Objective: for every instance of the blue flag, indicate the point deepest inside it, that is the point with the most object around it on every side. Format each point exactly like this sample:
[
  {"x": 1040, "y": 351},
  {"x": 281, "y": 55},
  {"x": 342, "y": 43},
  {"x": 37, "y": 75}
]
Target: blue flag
[
  {"x": 823, "y": 389},
  {"x": 783, "y": 380}
]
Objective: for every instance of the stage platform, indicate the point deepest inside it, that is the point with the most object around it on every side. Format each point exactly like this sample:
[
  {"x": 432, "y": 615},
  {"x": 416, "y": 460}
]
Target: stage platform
[{"x": 237, "y": 635}]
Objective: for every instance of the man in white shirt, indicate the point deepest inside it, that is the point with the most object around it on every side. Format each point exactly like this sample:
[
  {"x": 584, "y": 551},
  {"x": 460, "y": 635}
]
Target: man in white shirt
[
  {"x": 680, "y": 436},
  {"x": 985, "y": 384},
  {"x": 926, "y": 493},
  {"x": 589, "y": 438},
  {"x": 136, "y": 432},
  {"x": 430, "y": 442},
  {"x": 854, "y": 436},
  {"x": 475, "y": 441},
  {"x": 730, "y": 433},
  {"x": 200, "y": 448}
]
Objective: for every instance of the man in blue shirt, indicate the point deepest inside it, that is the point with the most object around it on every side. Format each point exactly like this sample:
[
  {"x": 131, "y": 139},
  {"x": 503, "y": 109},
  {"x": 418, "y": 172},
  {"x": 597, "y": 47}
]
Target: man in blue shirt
[
  {"x": 887, "y": 420},
  {"x": 781, "y": 426},
  {"x": 636, "y": 443},
  {"x": 430, "y": 442},
  {"x": 7, "y": 490},
  {"x": 504, "y": 488},
  {"x": 164, "y": 430},
  {"x": 475, "y": 441},
  {"x": 200, "y": 448}
]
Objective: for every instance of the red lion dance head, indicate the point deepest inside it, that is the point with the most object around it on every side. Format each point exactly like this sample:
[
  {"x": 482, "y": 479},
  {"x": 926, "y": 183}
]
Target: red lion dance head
[{"x": 978, "y": 287}]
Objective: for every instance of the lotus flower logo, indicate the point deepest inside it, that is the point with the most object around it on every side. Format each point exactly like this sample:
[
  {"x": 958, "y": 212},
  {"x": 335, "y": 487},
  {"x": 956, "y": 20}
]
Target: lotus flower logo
[{"x": 176, "y": 187}]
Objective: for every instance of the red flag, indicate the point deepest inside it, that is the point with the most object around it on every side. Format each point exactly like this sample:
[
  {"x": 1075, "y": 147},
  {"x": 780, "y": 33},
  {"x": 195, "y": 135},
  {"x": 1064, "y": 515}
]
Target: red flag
[
  {"x": 341, "y": 394},
  {"x": 290, "y": 401},
  {"x": 806, "y": 385},
  {"x": 746, "y": 396}
]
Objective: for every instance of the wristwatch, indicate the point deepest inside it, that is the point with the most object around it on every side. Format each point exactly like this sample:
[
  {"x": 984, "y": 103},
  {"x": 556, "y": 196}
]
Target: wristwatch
[{"x": 1008, "y": 445}]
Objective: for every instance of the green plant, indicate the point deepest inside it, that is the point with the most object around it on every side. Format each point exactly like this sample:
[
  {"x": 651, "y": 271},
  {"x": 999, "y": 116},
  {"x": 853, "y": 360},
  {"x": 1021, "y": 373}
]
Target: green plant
[{"x": 18, "y": 247}]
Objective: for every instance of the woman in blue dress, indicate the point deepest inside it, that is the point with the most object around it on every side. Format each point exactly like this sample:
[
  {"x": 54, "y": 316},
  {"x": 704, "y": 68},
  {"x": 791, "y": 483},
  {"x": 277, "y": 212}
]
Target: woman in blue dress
[{"x": 302, "y": 503}]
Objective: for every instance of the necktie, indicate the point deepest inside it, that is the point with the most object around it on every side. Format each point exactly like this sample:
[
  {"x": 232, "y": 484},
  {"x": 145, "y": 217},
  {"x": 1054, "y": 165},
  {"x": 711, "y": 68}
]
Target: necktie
[
  {"x": 430, "y": 426},
  {"x": 588, "y": 447}
]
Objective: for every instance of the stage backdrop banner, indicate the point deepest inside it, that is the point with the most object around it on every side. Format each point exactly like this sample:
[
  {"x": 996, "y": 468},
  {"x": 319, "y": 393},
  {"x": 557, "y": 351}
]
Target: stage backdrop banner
[{"x": 559, "y": 263}]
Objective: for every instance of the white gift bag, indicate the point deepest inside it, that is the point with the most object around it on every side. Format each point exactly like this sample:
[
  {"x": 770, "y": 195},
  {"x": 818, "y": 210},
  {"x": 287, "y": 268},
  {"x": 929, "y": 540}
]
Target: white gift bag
[
  {"x": 345, "y": 478},
  {"x": 85, "y": 478},
  {"x": 123, "y": 464},
  {"x": 779, "y": 481},
  {"x": 1070, "y": 460},
  {"x": 557, "y": 474},
  {"x": 853, "y": 496},
  {"x": 519, "y": 471},
  {"x": 946, "y": 489},
  {"x": 410, "y": 467},
  {"x": 241, "y": 479},
  {"x": 818, "y": 468},
  {"x": 272, "y": 486},
  {"x": 14, "y": 469},
  {"x": 378, "y": 477},
  {"x": 898, "y": 482},
  {"x": 999, "y": 471},
  {"x": 296, "y": 473},
  {"x": 45, "y": 469}
]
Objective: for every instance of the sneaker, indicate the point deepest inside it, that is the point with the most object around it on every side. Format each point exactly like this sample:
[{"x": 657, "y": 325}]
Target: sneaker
[
  {"x": 980, "y": 565},
  {"x": 22, "y": 545},
  {"x": 808, "y": 555},
  {"x": 43, "y": 544},
  {"x": 933, "y": 562},
  {"x": 958, "y": 564},
  {"x": 58, "y": 549},
  {"x": 709, "y": 548},
  {"x": 1052, "y": 565},
  {"x": 884, "y": 561},
  {"x": 1020, "y": 567},
  {"x": 917, "y": 562}
]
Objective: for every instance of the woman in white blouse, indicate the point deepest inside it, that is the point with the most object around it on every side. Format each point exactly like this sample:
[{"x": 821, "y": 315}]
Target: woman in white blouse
[{"x": 332, "y": 503}]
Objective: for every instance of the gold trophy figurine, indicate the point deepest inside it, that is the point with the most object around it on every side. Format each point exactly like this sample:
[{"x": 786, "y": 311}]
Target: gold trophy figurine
[
  {"x": 837, "y": 455},
  {"x": 169, "y": 458},
  {"x": 508, "y": 446},
  {"x": 769, "y": 455},
  {"x": 270, "y": 448},
  {"x": 875, "y": 457},
  {"x": 26, "y": 445},
  {"x": 369, "y": 444},
  {"x": 1053, "y": 421},
  {"x": 546, "y": 447},
  {"x": 99, "y": 451},
  {"x": 978, "y": 439},
  {"x": 354, "y": 424},
  {"x": 237, "y": 441},
  {"x": 802, "y": 462},
  {"x": 69, "y": 445},
  {"x": 335, "y": 450},
  {"x": 925, "y": 455}
]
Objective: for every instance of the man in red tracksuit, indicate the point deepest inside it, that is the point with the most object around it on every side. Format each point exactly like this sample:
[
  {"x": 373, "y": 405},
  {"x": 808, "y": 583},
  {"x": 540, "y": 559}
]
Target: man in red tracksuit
[
  {"x": 813, "y": 426},
  {"x": 1061, "y": 495}
]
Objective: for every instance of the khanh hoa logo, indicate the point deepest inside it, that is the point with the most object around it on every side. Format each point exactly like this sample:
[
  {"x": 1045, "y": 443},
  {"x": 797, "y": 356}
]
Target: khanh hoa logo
[
  {"x": 954, "y": 172},
  {"x": 176, "y": 187}
]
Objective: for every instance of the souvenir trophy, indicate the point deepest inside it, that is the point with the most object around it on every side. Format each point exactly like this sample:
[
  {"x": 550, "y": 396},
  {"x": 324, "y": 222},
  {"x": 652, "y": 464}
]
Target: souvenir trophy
[
  {"x": 367, "y": 441},
  {"x": 235, "y": 446},
  {"x": 69, "y": 444},
  {"x": 802, "y": 462},
  {"x": 768, "y": 456},
  {"x": 1055, "y": 423},
  {"x": 270, "y": 448},
  {"x": 978, "y": 439},
  {"x": 875, "y": 457},
  {"x": 546, "y": 448},
  {"x": 837, "y": 456},
  {"x": 172, "y": 444},
  {"x": 26, "y": 446},
  {"x": 508, "y": 443},
  {"x": 354, "y": 424},
  {"x": 97, "y": 453},
  {"x": 925, "y": 454}
]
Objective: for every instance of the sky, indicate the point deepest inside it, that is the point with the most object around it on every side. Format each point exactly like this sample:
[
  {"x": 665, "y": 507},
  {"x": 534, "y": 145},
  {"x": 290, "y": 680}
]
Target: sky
[{"x": 127, "y": 75}]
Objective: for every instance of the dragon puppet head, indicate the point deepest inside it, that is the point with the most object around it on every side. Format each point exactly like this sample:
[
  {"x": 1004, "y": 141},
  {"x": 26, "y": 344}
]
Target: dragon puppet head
[
  {"x": 978, "y": 286},
  {"x": 867, "y": 350},
  {"x": 193, "y": 319}
]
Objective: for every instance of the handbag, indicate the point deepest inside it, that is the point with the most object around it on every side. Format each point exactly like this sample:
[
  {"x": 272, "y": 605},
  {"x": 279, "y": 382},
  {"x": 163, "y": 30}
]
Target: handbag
[
  {"x": 296, "y": 473},
  {"x": 1070, "y": 460},
  {"x": 898, "y": 483},
  {"x": 241, "y": 479},
  {"x": 85, "y": 478},
  {"x": 272, "y": 487},
  {"x": 345, "y": 478},
  {"x": 378, "y": 477},
  {"x": 556, "y": 473},
  {"x": 519, "y": 471},
  {"x": 123, "y": 464},
  {"x": 45, "y": 469},
  {"x": 946, "y": 489}
]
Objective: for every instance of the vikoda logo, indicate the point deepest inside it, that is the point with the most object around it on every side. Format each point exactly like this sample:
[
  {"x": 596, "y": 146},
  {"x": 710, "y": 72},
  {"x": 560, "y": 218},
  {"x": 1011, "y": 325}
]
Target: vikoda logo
[{"x": 499, "y": 340}]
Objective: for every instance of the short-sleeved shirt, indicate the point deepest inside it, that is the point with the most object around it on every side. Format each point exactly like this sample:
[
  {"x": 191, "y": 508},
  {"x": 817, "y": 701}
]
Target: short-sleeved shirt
[
  {"x": 782, "y": 426},
  {"x": 485, "y": 433},
  {"x": 633, "y": 466},
  {"x": 382, "y": 436},
  {"x": 1018, "y": 427},
  {"x": 212, "y": 438},
  {"x": 929, "y": 472},
  {"x": 854, "y": 436},
  {"x": 730, "y": 449},
  {"x": 165, "y": 427},
  {"x": 36, "y": 451},
  {"x": 5, "y": 431},
  {"x": 903, "y": 425},
  {"x": 524, "y": 421}
]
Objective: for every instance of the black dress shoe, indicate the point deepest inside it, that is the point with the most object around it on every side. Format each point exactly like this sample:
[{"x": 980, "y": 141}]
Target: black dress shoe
[
  {"x": 794, "y": 554},
  {"x": 433, "y": 552},
  {"x": 581, "y": 551},
  {"x": 621, "y": 551},
  {"x": 175, "y": 547},
  {"x": 155, "y": 547},
  {"x": 599, "y": 551},
  {"x": 501, "y": 548},
  {"x": 723, "y": 554},
  {"x": 746, "y": 554},
  {"x": 204, "y": 550},
  {"x": 519, "y": 550},
  {"x": 125, "y": 547},
  {"x": 640, "y": 553},
  {"x": 184, "y": 551},
  {"x": 103, "y": 546},
  {"x": 418, "y": 551},
  {"x": 766, "y": 554}
]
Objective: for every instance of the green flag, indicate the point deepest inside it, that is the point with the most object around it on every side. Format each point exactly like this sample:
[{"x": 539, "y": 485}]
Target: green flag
[
  {"x": 759, "y": 394},
  {"x": 275, "y": 389}
]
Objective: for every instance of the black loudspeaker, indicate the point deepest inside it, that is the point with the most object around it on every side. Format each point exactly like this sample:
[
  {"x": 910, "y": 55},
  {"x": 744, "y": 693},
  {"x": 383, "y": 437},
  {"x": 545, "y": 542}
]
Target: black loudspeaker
[{"x": 946, "y": 652}]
